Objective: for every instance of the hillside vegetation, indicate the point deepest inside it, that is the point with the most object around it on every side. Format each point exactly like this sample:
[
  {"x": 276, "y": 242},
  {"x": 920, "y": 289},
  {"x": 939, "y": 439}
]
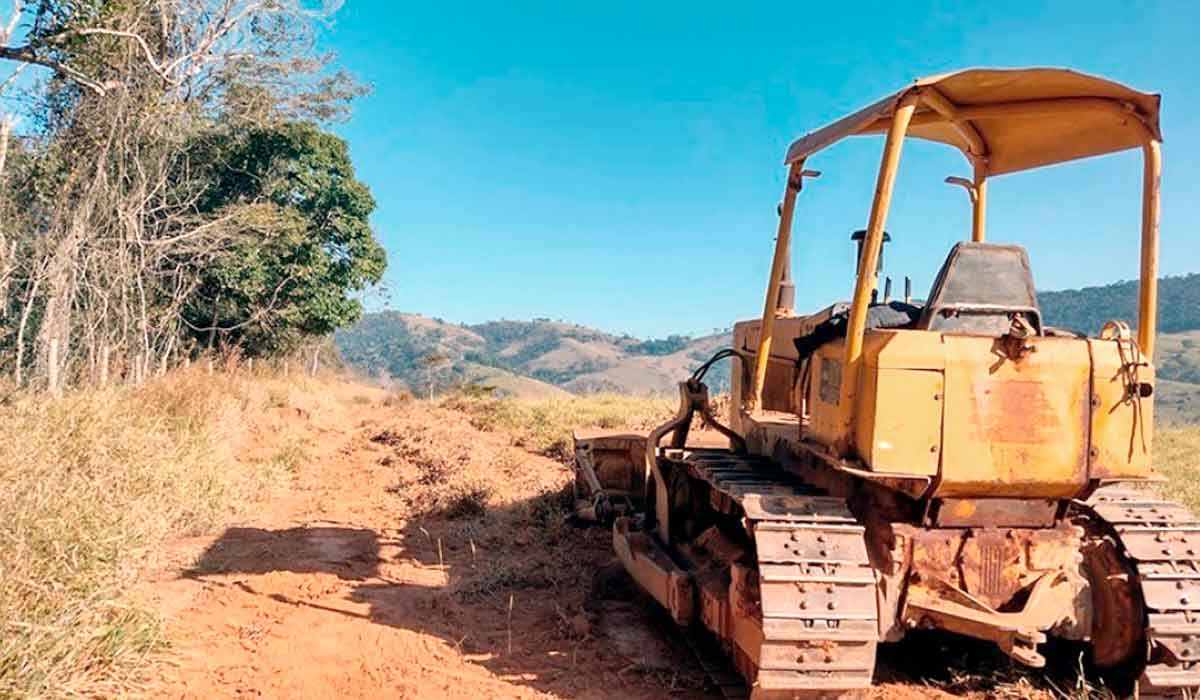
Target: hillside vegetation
[
  {"x": 543, "y": 358},
  {"x": 1178, "y": 357},
  {"x": 1085, "y": 310},
  {"x": 551, "y": 355}
]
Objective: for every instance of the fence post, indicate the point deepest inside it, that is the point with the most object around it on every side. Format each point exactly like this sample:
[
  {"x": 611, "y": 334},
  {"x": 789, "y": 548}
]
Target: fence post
[{"x": 316, "y": 363}]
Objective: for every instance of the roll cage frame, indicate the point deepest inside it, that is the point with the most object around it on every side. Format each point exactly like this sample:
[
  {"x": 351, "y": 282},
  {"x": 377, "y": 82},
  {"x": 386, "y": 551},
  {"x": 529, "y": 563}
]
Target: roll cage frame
[{"x": 1047, "y": 105}]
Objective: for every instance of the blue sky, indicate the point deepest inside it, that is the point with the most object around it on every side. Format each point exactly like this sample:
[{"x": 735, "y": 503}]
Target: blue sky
[{"x": 618, "y": 164}]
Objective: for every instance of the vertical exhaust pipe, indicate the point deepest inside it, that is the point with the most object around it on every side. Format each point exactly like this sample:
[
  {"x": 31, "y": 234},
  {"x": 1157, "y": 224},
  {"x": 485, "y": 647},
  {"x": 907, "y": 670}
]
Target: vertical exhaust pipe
[{"x": 785, "y": 303}]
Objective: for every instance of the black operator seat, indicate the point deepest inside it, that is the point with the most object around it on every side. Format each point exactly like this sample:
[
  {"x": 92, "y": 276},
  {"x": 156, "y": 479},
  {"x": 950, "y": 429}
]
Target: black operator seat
[{"x": 980, "y": 289}]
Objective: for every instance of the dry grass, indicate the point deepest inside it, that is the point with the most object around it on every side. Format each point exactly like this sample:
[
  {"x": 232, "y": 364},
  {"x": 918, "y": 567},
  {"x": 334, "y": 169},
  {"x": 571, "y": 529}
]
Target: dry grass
[
  {"x": 90, "y": 484},
  {"x": 1177, "y": 457},
  {"x": 544, "y": 425}
]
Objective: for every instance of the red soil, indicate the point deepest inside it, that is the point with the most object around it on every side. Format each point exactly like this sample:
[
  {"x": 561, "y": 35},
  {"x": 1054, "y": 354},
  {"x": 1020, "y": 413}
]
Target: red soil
[{"x": 373, "y": 575}]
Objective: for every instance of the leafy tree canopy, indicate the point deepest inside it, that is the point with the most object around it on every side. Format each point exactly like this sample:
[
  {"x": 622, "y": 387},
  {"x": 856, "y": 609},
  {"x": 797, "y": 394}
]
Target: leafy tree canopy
[{"x": 305, "y": 245}]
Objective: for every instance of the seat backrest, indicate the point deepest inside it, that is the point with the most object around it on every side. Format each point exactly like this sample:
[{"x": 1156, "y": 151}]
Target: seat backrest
[{"x": 979, "y": 290}]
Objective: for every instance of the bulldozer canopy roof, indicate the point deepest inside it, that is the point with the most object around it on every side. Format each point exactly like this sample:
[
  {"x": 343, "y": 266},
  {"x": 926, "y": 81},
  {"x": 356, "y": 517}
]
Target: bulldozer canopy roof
[{"x": 1018, "y": 118}]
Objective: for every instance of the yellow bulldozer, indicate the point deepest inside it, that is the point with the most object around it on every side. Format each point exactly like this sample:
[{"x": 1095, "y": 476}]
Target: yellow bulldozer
[{"x": 952, "y": 463}]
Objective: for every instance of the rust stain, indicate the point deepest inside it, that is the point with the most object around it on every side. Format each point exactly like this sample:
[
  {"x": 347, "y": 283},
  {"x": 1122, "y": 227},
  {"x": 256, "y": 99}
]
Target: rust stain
[{"x": 1013, "y": 411}]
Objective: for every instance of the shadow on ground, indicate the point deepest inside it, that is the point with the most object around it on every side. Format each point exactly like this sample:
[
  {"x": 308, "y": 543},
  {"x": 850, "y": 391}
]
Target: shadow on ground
[
  {"x": 538, "y": 602},
  {"x": 516, "y": 590},
  {"x": 961, "y": 667},
  {"x": 572, "y": 607},
  {"x": 348, "y": 553}
]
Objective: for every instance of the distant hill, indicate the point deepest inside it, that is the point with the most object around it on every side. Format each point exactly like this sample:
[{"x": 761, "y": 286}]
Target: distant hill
[
  {"x": 550, "y": 356},
  {"x": 1087, "y": 309},
  {"x": 1177, "y": 357},
  {"x": 641, "y": 372},
  {"x": 554, "y": 358}
]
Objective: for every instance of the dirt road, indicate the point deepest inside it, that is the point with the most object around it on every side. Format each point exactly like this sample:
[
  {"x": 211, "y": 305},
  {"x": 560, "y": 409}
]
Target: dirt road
[{"x": 415, "y": 556}]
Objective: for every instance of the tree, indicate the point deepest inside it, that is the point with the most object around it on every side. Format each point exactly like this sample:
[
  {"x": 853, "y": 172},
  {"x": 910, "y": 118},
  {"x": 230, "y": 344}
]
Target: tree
[
  {"x": 122, "y": 233},
  {"x": 191, "y": 48},
  {"x": 297, "y": 264}
]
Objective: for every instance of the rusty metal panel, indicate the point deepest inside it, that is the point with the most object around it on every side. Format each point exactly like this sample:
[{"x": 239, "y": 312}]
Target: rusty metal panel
[
  {"x": 899, "y": 421},
  {"x": 1148, "y": 511},
  {"x": 782, "y": 372},
  {"x": 935, "y": 553},
  {"x": 1051, "y": 549},
  {"x": 817, "y": 656},
  {"x": 1015, "y": 426},
  {"x": 818, "y": 600},
  {"x": 714, "y": 605},
  {"x": 823, "y": 424},
  {"x": 616, "y": 458},
  {"x": 992, "y": 566},
  {"x": 745, "y": 334},
  {"x": 792, "y": 542},
  {"x": 652, "y": 568},
  {"x": 829, "y": 383},
  {"x": 777, "y": 391},
  {"x": 1160, "y": 545},
  {"x": 994, "y": 558},
  {"x": 995, "y": 512},
  {"x": 1120, "y": 441},
  {"x": 797, "y": 629}
]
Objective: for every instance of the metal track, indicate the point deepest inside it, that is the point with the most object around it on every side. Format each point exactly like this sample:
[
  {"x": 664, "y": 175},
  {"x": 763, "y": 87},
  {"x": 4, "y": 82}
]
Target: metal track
[
  {"x": 1162, "y": 538},
  {"x": 717, "y": 665},
  {"x": 804, "y": 620}
]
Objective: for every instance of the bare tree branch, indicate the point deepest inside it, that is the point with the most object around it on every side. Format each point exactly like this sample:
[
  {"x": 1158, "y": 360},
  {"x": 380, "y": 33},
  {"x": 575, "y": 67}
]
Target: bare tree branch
[{"x": 27, "y": 54}]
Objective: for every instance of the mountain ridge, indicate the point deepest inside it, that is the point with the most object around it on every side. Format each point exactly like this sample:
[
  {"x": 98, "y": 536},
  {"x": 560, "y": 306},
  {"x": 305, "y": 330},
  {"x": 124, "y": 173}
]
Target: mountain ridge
[
  {"x": 558, "y": 358},
  {"x": 417, "y": 350}
]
